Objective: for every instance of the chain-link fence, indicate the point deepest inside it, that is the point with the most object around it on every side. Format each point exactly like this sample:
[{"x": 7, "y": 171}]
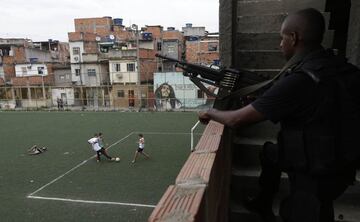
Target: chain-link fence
[
  {"x": 133, "y": 98},
  {"x": 144, "y": 104}
]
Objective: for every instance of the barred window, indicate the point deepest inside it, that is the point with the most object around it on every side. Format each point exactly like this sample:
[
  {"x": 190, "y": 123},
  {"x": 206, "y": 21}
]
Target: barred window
[
  {"x": 76, "y": 50},
  {"x": 130, "y": 67},
  {"x": 91, "y": 72},
  {"x": 120, "y": 93}
]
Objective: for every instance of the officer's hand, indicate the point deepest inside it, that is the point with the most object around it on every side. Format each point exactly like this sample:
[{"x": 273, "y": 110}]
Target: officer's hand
[{"x": 204, "y": 117}]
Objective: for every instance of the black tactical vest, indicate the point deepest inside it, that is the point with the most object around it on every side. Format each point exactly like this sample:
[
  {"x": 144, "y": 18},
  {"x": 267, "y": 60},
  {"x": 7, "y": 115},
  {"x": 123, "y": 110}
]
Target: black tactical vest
[{"x": 329, "y": 140}]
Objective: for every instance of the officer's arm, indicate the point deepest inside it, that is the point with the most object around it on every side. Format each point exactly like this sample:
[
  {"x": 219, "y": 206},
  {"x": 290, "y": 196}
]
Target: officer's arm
[{"x": 233, "y": 118}]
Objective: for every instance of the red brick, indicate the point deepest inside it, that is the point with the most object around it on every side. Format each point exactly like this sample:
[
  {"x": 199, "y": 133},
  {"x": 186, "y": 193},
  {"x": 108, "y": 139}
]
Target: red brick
[
  {"x": 179, "y": 204},
  {"x": 156, "y": 30},
  {"x": 197, "y": 169}
]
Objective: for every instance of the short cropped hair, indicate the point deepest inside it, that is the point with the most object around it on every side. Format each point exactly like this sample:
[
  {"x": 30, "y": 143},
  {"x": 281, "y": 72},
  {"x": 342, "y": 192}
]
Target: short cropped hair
[{"x": 314, "y": 25}]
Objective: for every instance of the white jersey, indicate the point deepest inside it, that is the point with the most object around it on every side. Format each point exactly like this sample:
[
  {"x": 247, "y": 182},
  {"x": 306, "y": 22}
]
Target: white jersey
[
  {"x": 141, "y": 143},
  {"x": 94, "y": 143}
]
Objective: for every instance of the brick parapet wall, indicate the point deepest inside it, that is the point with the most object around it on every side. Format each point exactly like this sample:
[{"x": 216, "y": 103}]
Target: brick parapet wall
[{"x": 201, "y": 188}]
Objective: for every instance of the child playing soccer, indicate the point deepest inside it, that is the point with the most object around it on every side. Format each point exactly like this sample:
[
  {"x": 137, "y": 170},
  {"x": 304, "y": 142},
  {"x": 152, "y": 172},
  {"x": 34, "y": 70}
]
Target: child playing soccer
[
  {"x": 97, "y": 147},
  {"x": 140, "y": 148}
]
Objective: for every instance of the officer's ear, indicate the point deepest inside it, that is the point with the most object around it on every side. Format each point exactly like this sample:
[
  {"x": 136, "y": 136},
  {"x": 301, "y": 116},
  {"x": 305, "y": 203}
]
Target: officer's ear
[{"x": 294, "y": 38}]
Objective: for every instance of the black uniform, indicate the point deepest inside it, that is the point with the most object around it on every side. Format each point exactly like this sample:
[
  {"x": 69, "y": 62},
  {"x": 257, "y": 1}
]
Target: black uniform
[{"x": 306, "y": 141}]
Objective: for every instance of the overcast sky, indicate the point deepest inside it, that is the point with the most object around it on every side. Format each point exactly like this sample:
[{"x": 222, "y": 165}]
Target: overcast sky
[{"x": 41, "y": 20}]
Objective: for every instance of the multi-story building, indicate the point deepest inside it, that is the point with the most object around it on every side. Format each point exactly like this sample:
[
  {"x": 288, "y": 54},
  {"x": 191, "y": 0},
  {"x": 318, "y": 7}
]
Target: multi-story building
[
  {"x": 27, "y": 70},
  {"x": 201, "y": 47},
  {"x": 104, "y": 58},
  {"x": 194, "y": 45}
]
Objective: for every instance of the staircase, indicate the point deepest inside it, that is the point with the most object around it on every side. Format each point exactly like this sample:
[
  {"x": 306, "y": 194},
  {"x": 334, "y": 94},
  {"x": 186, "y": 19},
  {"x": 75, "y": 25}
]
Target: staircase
[{"x": 256, "y": 25}]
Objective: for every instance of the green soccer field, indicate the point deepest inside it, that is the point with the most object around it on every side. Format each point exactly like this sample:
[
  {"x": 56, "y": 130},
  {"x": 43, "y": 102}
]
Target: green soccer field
[{"x": 65, "y": 183}]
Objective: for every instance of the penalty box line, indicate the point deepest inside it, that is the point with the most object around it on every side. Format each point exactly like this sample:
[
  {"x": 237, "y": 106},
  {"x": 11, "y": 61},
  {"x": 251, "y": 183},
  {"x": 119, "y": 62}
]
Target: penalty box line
[{"x": 72, "y": 169}]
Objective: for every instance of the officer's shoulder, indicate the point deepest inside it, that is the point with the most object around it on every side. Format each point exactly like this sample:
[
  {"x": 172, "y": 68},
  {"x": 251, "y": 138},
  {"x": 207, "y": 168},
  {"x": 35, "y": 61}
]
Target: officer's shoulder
[
  {"x": 320, "y": 62},
  {"x": 322, "y": 65}
]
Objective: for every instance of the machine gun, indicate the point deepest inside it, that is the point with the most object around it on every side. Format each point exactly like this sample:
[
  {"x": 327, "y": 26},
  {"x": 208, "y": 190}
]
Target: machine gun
[{"x": 229, "y": 81}]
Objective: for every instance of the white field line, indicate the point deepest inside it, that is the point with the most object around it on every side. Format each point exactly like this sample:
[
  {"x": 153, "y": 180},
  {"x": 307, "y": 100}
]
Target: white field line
[
  {"x": 91, "y": 201},
  {"x": 74, "y": 168},
  {"x": 165, "y": 133}
]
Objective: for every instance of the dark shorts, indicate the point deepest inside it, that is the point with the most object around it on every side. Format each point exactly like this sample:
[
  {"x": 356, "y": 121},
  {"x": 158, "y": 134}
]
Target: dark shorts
[{"x": 140, "y": 150}]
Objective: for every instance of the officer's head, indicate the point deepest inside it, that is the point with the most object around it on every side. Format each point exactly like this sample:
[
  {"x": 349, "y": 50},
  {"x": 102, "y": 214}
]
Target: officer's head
[{"x": 302, "y": 30}]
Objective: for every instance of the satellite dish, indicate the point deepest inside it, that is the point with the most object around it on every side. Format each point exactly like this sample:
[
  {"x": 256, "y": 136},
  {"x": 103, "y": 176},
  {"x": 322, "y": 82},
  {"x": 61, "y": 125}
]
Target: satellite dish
[
  {"x": 97, "y": 38},
  {"x": 111, "y": 37}
]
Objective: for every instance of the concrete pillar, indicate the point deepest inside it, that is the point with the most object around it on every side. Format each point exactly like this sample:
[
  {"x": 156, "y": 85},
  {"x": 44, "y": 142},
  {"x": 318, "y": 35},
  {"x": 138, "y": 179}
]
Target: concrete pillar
[
  {"x": 227, "y": 28},
  {"x": 353, "y": 47}
]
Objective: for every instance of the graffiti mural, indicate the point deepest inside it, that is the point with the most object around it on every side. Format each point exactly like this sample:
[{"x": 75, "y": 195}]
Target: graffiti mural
[{"x": 165, "y": 98}]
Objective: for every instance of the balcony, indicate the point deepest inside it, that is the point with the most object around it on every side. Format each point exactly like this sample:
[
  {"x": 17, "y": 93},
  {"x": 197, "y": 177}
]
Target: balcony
[{"x": 118, "y": 54}]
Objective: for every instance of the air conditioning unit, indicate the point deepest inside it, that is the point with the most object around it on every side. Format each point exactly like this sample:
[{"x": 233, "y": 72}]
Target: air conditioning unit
[
  {"x": 29, "y": 67},
  {"x": 76, "y": 58},
  {"x": 119, "y": 75}
]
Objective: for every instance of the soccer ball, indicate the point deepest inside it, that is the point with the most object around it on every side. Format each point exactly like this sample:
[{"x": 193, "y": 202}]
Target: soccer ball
[{"x": 117, "y": 159}]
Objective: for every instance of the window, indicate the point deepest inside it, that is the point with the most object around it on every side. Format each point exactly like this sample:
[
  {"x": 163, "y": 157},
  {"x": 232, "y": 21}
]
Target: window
[
  {"x": 117, "y": 67},
  {"x": 104, "y": 49},
  {"x": 77, "y": 72},
  {"x": 212, "y": 47},
  {"x": 24, "y": 70},
  {"x": 200, "y": 94},
  {"x": 171, "y": 49},
  {"x": 159, "y": 46},
  {"x": 169, "y": 67},
  {"x": 130, "y": 67},
  {"x": 91, "y": 72},
  {"x": 120, "y": 93},
  {"x": 40, "y": 70},
  {"x": 76, "y": 50}
]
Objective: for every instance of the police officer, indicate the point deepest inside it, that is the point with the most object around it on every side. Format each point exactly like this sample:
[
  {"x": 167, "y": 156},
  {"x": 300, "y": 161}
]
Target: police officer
[{"x": 305, "y": 147}]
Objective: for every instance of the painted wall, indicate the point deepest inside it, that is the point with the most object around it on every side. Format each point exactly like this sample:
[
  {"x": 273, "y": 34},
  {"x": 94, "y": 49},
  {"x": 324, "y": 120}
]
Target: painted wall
[
  {"x": 2, "y": 74},
  {"x": 31, "y": 70},
  {"x": 66, "y": 94},
  {"x": 173, "y": 90},
  {"x": 62, "y": 77},
  {"x": 122, "y": 76},
  {"x": 40, "y": 55},
  {"x": 72, "y": 56}
]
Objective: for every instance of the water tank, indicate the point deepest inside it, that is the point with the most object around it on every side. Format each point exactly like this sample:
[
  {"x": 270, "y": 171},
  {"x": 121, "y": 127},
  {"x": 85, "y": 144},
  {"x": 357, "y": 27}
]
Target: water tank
[
  {"x": 188, "y": 25},
  {"x": 171, "y": 28},
  {"x": 118, "y": 21}
]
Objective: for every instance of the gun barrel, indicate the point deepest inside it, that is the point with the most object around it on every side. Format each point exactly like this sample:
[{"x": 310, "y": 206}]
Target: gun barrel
[{"x": 167, "y": 58}]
